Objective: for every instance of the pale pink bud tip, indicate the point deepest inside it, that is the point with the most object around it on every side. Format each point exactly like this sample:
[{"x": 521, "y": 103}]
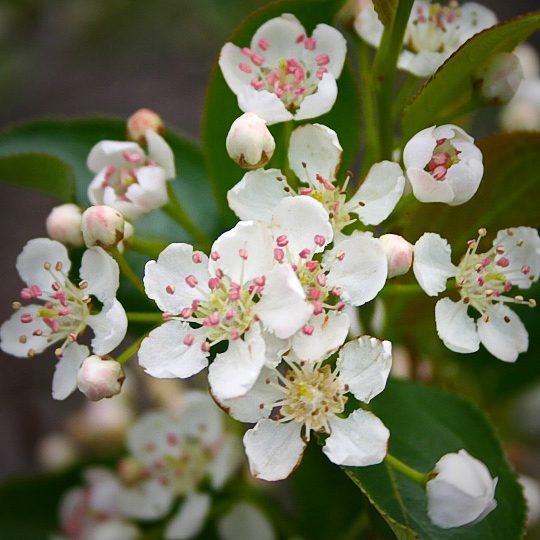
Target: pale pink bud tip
[
  {"x": 142, "y": 120},
  {"x": 100, "y": 377},
  {"x": 64, "y": 225},
  {"x": 102, "y": 226},
  {"x": 399, "y": 254}
]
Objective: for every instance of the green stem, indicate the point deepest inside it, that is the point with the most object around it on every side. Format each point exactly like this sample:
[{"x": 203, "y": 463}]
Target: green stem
[
  {"x": 384, "y": 72},
  {"x": 406, "y": 92},
  {"x": 144, "y": 317},
  {"x": 416, "y": 476},
  {"x": 126, "y": 269},
  {"x": 372, "y": 149},
  {"x": 130, "y": 351},
  {"x": 176, "y": 211},
  {"x": 152, "y": 248}
]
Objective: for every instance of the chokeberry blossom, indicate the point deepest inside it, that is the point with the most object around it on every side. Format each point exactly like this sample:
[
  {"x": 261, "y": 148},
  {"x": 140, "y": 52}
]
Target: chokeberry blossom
[
  {"x": 484, "y": 281},
  {"x": 238, "y": 294},
  {"x": 311, "y": 396},
  {"x": 129, "y": 180},
  {"x": 285, "y": 74},
  {"x": 443, "y": 165},
  {"x": 433, "y": 32},
  {"x": 61, "y": 310},
  {"x": 171, "y": 455},
  {"x": 315, "y": 157}
]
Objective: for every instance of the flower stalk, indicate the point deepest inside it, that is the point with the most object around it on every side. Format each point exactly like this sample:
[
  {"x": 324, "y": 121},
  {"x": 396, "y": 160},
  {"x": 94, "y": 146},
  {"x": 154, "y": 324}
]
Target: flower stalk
[{"x": 416, "y": 476}]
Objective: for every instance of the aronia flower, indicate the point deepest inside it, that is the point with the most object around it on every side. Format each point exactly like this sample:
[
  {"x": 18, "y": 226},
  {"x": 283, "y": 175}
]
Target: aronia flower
[
  {"x": 311, "y": 396},
  {"x": 484, "y": 281},
  {"x": 285, "y": 74}
]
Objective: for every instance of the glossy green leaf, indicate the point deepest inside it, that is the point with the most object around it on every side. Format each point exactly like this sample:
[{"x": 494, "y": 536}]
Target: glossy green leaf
[
  {"x": 71, "y": 141},
  {"x": 451, "y": 89},
  {"x": 508, "y": 195},
  {"x": 41, "y": 172},
  {"x": 426, "y": 423},
  {"x": 221, "y": 107},
  {"x": 385, "y": 10}
]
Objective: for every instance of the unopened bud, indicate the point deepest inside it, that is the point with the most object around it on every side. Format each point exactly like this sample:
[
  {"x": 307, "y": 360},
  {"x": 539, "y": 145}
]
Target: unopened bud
[
  {"x": 64, "y": 224},
  {"x": 102, "y": 226},
  {"x": 399, "y": 254},
  {"x": 142, "y": 120},
  {"x": 100, "y": 377},
  {"x": 126, "y": 242},
  {"x": 249, "y": 142},
  {"x": 499, "y": 78}
]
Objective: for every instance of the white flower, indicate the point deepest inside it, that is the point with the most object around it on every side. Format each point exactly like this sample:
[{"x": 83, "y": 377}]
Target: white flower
[
  {"x": 315, "y": 157},
  {"x": 62, "y": 310},
  {"x": 177, "y": 453},
  {"x": 499, "y": 78},
  {"x": 433, "y": 32},
  {"x": 312, "y": 396},
  {"x": 285, "y": 74},
  {"x": 483, "y": 281},
  {"x": 249, "y": 142},
  {"x": 92, "y": 512},
  {"x": 102, "y": 226},
  {"x": 64, "y": 224},
  {"x": 443, "y": 165},
  {"x": 129, "y": 180},
  {"x": 100, "y": 377},
  {"x": 462, "y": 491},
  {"x": 225, "y": 296}
]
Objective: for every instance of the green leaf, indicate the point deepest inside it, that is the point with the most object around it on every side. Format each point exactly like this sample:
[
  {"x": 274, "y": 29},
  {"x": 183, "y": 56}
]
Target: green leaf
[
  {"x": 426, "y": 423},
  {"x": 40, "y": 172},
  {"x": 385, "y": 10},
  {"x": 450, "y": 89},
  {"x": 508, "y": 194},
  {"x": 71, "y": 141},
  {"x": 221, "y": 107}
]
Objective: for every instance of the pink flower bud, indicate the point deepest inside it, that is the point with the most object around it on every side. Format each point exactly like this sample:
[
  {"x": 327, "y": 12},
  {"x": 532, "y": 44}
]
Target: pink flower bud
[
  {"x": 249, "y": 142},
  {"x": 64, "y": 225},
  {"x": 100, "y": 377},
  {"x": 142, "y": 120},
  {"x": 102, "y": 226},
  {"x": 399, "y": 254}
]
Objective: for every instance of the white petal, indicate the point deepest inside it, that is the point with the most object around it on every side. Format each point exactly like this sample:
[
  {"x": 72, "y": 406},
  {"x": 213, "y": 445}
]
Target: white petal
[
  {"x": 368, "y": 26},
  {"x": 300, "y": 219},
  {"x": 522, "y": 249},
  {"x": 464, "y": 179},
  {"x": 164, "y": 355},
  {"x": 256, "y": 240},
  {"x": 378, "y": 195},
  {"x": 34, "y": 255},
  {"x": 504, "y": 335},
  {"x": 422, "y": 64},
  {"x": 321, "y": 101},
  {"x": 147, "y": 194},
  {"x": 189, "y": 519},
  {"x": 257, "y": 194},
  {"x": 331, "y": 42},
  {"x": 258, "y": 402},
  {"x": 147, "y": 500},
  {"x": 432, "y": 265},
  {"x": 65, "y": 373},
  {"x": 330, "y": 332},
  {"x": 264, "y": 104},
  {"x": 243, "y": 522},
  {"x": 106, "y": 153},
  {"x": 474, "y": 18},
  {"x": 227, "y": 461},
  {"x": 109, "y": 326},
  {"x": 317, "y": 147},
  {"x": 359, "y": 440},
  {"x": 12, "y": 330},
  {"x": 199, "y": 417},
  {"x": 165, "y": 279},
  {"x": 95, "y": 188},
  {"x": 230, "y": 59},
  {"x": 160, "y": 152},
  {"x": 456, "y": 329},
  {"x": 419, "y": 150},
  {"x": 427, "y": 189},
  {"x": 283, "y": 308},
  {"x": 364, "y": 365},
  {"x": 233, "y": 373},
  {"x": 281, "y": 33},
  {"x": 113, "y": 529},
  {"x": 101, "y": 272},
  {"x": 362, "y": 272},
  {"x": 274, "y": 449},
  {"x": 274, "y": 348}
]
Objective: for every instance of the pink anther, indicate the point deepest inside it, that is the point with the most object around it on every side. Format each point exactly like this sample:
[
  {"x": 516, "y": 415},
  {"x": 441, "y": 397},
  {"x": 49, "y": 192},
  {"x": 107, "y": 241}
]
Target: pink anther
[
  {"x": 282, "y": 240},
  {"x": 192, "y": 281}
]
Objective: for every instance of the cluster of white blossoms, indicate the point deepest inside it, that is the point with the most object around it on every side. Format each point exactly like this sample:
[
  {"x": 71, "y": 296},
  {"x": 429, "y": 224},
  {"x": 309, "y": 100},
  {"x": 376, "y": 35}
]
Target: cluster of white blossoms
[{"x": 433, "y": 32}]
